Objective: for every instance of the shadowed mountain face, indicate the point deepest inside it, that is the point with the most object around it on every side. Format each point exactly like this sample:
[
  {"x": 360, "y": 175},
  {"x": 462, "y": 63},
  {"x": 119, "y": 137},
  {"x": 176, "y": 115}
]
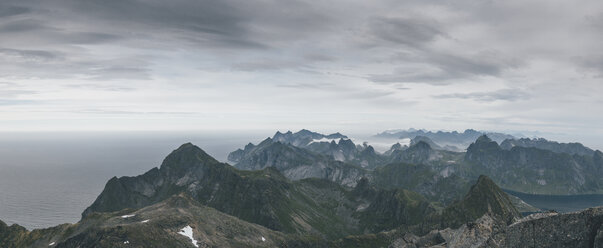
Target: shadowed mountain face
[
  {"x": 421, "y": 179},
  {"x": 483, "y": 197},
  {"x": 298, "y": 163},
  {"x": 533, "y": 170},
  {"x": 335, "y": 147},
  {"x": 570, "y": 148}
]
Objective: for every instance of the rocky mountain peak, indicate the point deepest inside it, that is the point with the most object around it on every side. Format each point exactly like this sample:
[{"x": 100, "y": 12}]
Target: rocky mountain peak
[
  {"x": 420, "y": 145},
  {"x": 396, "y": 146},
  {"x": 187, "y": 157},
  {"x": 483, "y": 197},
  {"x": 483, "y": 139}
]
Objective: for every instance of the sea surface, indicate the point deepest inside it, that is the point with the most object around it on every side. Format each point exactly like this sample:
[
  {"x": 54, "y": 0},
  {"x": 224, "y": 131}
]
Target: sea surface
[
  {"x": 48, "y": 179},
  {"x": 560, "y": 203}
]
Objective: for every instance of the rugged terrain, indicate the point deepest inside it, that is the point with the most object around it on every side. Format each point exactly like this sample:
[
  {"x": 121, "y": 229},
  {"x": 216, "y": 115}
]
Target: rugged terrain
[{"x": 306, "y": 189}]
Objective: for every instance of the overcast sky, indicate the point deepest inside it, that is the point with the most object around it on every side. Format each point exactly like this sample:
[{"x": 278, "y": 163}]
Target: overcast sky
[{"x": 324, "y": 65}]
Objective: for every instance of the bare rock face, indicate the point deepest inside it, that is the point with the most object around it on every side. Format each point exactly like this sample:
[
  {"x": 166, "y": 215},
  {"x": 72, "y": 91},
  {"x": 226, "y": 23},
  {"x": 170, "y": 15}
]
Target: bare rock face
[
  {"x": 580, "y": 229},
  {"x": 598, "y": 242},
  {"x": 473, "y": 234},
  {"x": 432, "y": 239}
]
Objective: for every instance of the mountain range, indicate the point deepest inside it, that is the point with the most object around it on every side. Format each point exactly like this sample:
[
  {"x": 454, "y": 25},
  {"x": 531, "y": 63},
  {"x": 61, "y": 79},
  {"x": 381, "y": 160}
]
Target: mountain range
[
  {"x": 307, "y": 189},
  {"x": 453, "y": 141}
]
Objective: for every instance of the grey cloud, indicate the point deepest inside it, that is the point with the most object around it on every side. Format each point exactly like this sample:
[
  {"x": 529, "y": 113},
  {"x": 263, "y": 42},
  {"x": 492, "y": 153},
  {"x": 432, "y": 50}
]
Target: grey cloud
[
  {"x": 408, "y": 31},
  {"x": 441, "y": 68},
  {"x": 10, "y": 102},
  {"x": 9, "y": 10},
  {"x": 203, "y": 23},
  {"x": 307, "y": 85},
  {"x": 15, "y": 93},
  {"x": 28, "y": 55},
  {"x": 122, "y": 112},
  {"x": 23, "y": 25},
  {"x": 265, "y": 64},
  {"x": 119, "y": 72},
  {"x": 433, "y": 77},
  {"x": 43, "y": 64},
  {"x": 97, "y": 86},
  {"x": 319, "y": 57},
  {"x": 591, "y": 64},
  {"x": 595, "y": 20},
  {"x": 268, "y": 64},
  {"x": 210, "y": 23},
  {"x": 38, "y": 31},
  {"x": 499, "y": 95},
  {"x": 216, "y": 27},
  {"x": 7, "y": 84},
  {"x": 87, "y": 37}
]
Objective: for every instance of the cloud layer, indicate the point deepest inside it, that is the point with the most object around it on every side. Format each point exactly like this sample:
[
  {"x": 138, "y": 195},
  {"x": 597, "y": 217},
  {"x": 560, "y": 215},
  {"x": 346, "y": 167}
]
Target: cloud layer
[{"x": 323, "y": 64}]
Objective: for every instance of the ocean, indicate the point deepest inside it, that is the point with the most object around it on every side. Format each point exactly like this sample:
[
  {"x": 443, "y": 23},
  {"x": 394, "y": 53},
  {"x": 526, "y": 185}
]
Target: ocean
[{"x": 48, "y": 179}]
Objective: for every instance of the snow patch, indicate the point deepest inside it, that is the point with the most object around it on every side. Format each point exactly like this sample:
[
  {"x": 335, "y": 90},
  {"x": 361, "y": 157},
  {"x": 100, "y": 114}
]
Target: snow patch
[
  {"x": 188, "y": 232},
  {"x": 51, "y": 244},
  {"x": 263, "y": 239},
  {"x": 126, "y": 242},
  {"x": 127, "y": 216},
  {"x": 144, "y": 221}
]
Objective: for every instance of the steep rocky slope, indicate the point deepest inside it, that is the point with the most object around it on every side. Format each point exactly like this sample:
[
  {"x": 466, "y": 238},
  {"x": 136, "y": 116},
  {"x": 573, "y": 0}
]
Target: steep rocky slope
[
  {"x": 423, "y": 179},
  {"x": 485, "y": 202},
  {"x": 533, "y": 170},
  {"x": 264, "y": 197},
  {"x": 335, "y": 147},
  {"x": 540, "y": 143},
  {"x": 298, "y": 163},
  {"x": 158, "y": 225}
]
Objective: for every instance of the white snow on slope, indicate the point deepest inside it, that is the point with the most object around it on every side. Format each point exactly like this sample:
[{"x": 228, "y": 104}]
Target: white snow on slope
[
  {"x": 188, "y": 232},
  {"x": 51, "y": 244},
  {"x": 127, "y": 216},
  {"x": 144, "y": 221},
  {"x": 263, "y": 239}
]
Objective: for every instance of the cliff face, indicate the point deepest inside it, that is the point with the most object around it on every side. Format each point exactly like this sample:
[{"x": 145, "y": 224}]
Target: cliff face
[
  {"x": 570, "y": 148},
  {"x": 581, "y": 229},
  {"x": 305, "y": 146},
  {"x": 483, "y": 198},
  {"x": 533, "y": 170},
  {"x": 296, "y": 163},
  {"x": 421, "y": 179}
]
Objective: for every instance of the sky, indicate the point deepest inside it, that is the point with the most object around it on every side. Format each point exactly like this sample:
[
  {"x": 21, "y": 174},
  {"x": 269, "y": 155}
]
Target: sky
[{"x": 515, "y": 65}]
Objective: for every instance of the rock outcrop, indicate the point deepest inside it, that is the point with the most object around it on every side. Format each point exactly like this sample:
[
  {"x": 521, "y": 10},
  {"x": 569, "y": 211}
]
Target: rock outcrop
[{"x": 533, "y": 170}]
